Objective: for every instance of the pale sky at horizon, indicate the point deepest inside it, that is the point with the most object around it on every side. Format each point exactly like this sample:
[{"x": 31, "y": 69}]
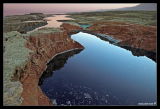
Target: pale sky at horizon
[{"x": 22, "y": 8}]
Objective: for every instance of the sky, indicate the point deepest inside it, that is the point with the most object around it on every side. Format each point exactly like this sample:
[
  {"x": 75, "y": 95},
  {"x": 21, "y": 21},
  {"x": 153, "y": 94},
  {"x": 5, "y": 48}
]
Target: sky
[{"x": 59, "y": 8}]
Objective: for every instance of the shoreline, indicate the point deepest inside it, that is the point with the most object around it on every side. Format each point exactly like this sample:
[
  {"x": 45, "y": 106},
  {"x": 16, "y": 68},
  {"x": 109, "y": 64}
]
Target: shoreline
[
  {"x": 45, "y": 48},
  {"x": 116, "y": 42},
  {"x": 64, "y": 52}
]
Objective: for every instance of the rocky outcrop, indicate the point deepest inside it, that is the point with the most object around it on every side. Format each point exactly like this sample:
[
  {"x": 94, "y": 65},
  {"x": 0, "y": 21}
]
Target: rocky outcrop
[{"x": 45, "y": 47}]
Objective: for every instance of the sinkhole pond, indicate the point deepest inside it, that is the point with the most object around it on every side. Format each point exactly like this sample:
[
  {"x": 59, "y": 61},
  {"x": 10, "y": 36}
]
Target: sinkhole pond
[{"x": 100, "y": 74}]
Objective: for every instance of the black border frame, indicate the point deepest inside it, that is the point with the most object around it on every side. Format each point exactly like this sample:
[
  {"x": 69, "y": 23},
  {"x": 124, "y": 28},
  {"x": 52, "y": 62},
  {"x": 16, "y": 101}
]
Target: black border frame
[{"x": 73, "y": 1}]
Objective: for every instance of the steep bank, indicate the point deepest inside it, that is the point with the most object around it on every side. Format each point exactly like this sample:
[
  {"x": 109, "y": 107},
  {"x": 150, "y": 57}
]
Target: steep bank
[{"x": 44, "y": 47}]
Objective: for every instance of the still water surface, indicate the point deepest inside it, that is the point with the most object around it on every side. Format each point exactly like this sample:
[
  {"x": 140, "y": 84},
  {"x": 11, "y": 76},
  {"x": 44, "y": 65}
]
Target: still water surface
[
  {"x": 52, "y": 22},
  {"x": 101, "y": 74}
]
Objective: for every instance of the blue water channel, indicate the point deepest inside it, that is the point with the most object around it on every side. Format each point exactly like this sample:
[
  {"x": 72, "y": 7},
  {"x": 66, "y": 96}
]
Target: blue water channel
[{"x": 102, "y": 74}]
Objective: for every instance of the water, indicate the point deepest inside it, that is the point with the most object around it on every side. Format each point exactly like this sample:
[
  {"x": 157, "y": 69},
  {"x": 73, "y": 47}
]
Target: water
[
  {"x": 101, "y": 74},
  {"x": 53, "y": 22},
  {"x": 84, "y": 26}
]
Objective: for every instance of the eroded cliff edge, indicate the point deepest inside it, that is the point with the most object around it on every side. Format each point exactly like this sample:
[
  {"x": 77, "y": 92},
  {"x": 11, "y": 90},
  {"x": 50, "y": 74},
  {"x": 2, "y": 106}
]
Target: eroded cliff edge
[{"x": 45, "y": 47}]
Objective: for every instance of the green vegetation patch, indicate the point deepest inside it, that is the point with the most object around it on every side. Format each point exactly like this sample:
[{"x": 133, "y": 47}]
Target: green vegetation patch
[
  {"x": 137, "y": 17},
  {"x": 41, "y": 31},
  {"x": 24, "y": 23},
  {"x": 22, "y": 18},
  {"x": 15, "y": 54}
]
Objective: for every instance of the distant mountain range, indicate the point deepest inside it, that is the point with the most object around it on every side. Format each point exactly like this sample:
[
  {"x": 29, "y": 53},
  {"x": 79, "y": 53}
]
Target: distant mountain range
[{"x": 141, "y": 6}]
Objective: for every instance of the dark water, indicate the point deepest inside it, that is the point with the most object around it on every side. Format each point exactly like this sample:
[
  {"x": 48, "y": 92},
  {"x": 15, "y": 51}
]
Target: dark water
[
  {"x": 101, "y": 74},
  {"x": 84, "y": 26}
]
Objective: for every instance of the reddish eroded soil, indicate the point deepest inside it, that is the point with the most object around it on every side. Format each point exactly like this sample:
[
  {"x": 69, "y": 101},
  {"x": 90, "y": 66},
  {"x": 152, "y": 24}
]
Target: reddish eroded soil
[
  {"x": 70, "y": 29},
  {"x": 133, "y": 35},
  {"x": 44, "y": 47}
]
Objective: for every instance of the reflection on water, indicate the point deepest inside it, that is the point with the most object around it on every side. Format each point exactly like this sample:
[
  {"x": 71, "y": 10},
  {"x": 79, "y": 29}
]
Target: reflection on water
[
  {"x": 53, "y": 22},
  {"x": 141, "y": 52},
  {"x": 56, "y": 63},
  {"x": 101, "y": 74}
]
